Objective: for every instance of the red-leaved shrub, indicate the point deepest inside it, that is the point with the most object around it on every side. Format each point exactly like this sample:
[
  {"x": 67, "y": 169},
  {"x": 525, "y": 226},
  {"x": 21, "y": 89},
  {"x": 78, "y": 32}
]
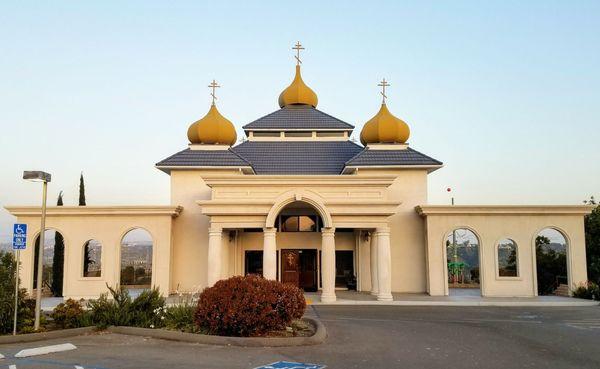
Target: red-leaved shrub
[{"x": 248, "y": 306}]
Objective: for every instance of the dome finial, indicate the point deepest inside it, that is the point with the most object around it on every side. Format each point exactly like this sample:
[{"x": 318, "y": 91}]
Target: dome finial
[
  {"x": 214, "y": 85},
  {"x": 383, "y": 84},
  {"x": 298, "y": 93},
  {"x": 298, "y": 47}
]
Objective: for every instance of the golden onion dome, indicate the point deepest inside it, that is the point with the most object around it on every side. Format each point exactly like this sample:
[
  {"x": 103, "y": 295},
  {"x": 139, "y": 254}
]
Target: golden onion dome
[
  {"x": 298, "y": 93},
  {"x": 384, "y": 127},
  {"x": 212, "y": 129}
]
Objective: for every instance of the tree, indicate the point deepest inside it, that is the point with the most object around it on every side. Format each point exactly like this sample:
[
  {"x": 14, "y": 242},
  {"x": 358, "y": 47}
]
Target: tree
[
  {"x": 550, "y": 265},
  {"x": 81, "y": 191},
  {"x": 592, "y": 241},
  {"x": 58, "y": 261}
]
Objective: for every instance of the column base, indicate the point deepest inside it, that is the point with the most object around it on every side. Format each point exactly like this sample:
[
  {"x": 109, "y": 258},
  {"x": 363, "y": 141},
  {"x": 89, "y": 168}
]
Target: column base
[
  {"x": 374, "y": 293},
  {"x": 328, "y": 298},
  {"x": 385, "y": 297}
]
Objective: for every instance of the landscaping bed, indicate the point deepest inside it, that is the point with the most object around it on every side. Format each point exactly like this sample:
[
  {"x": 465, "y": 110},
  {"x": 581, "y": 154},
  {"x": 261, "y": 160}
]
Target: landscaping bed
[{"x": 244, "y": 311}]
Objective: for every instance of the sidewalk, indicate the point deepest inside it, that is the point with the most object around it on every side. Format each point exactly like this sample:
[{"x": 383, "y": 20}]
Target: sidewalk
[{"x": 456, "y": 298}]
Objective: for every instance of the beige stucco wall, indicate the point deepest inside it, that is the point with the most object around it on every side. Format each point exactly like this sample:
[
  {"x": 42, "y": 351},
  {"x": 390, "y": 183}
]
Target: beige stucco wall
[
  {"x": 491, "y": 227},
  {"x": 108, "y": 226},
  {"x": 406, "y": 230}
]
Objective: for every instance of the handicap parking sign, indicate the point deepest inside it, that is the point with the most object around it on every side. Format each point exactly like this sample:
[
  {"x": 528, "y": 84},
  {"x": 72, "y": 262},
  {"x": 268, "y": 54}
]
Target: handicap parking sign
[
  {"x": 290, "y": 365},
  {"x": 19, "y": 236}
]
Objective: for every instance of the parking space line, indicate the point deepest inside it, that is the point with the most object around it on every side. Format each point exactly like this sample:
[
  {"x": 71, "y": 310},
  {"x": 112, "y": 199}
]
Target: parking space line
[
  {"x": 45, "y": 350},
  {"x": 1, "y": 356},
  {"x": 12, "y": 367},
  {"x": 79, "y": 367}
]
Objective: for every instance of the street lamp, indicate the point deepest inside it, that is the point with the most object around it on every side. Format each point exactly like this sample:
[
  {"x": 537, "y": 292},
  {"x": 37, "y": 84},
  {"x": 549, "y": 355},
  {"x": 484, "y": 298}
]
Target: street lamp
[{"x": 39, "y": 176}]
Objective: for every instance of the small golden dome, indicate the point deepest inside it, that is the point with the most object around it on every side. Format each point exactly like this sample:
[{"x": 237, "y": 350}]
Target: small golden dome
[
  {"x": 298, "y": 93},
  {"x": 384, "y": 127},
  {"x": 212, "y": 129}
]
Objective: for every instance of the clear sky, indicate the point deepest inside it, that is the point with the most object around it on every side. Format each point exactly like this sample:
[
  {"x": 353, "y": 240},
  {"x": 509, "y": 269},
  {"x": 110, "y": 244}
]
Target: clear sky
[{"x": 506, "y": 94}]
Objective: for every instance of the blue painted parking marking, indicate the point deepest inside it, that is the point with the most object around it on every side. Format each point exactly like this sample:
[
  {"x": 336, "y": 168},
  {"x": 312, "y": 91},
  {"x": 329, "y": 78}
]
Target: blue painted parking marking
[{"x": 290, "y": 365}]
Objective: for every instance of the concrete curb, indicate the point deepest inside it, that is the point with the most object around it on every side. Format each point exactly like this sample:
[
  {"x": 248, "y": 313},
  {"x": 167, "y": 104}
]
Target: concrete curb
[
  {"x": 315, "y": 339},
  {"x": 32, "y": 337},
  {"x": 460, "y": 303}
]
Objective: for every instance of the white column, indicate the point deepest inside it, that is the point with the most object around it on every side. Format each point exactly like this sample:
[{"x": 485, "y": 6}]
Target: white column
[
  {"x": 270, "y": 254},
  {"x": 214, "y": 255},
  {"x": 384, "y": 265},
  {"x": 328, "y": 264},
  {"x": 374, "y": 279}
]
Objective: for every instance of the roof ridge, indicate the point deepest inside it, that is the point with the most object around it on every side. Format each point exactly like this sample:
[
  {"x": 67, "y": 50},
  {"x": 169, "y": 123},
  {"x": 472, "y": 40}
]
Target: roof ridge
[
  {"x": 169, "y": 157},
  {"x": 338, "y": 119},
  {"x": 263, "y": 117},
  {"x": 239, "y": 156},
  {"x": 425, "y": 155}
]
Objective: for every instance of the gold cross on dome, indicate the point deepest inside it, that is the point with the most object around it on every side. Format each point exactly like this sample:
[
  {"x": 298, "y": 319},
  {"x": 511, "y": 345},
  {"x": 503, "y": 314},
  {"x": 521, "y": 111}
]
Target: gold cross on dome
[
  {"x": 298, "y": 47},
  {"x": 383, "y": 84},
  {"x": 214, "y": 85}
]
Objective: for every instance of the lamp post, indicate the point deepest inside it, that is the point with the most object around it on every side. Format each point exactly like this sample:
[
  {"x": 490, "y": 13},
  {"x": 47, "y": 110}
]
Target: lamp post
[{"x": 39, "y": 176}]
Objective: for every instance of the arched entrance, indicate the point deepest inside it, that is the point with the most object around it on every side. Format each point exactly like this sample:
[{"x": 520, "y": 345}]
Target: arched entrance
[
  {"x": 551, "y": 262},
  {"x": 53, "y": 263},
  {"x": 136, "y": 259},
  {"x": 462, "y": 258}
]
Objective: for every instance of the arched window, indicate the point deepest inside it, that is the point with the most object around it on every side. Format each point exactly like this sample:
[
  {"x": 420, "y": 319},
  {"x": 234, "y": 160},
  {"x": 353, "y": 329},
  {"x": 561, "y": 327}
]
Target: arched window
[
  {"x": 462, "y": 257},
  {"x": 136, "y": 259},
  {"x": 92, "y": 259},
  {"x": 508, "y": 264}
]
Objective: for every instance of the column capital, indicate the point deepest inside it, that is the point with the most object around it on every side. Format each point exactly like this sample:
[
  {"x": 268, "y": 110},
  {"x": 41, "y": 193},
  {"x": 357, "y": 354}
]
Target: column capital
[
  {"x": 269, "y": 230},
  {"x": 328, "y": 231},
  {"x": 382, "y": 230},
  {"x": 215, "y": 230}
]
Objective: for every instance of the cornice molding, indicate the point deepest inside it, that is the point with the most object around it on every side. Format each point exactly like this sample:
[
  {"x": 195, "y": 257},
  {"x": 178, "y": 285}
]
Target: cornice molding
[
  {"x": 299, "y": 180},
  {"x": 427, "y": 210},
  {"x": 20, "y": 211}
]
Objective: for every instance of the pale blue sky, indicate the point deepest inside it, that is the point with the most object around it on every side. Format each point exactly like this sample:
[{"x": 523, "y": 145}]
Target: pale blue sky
[{"x": 506, "y": 94}]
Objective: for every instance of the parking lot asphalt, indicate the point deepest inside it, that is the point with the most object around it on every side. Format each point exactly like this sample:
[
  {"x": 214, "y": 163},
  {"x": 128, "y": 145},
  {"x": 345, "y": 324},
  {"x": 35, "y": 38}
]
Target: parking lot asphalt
[{"x": 366, "y": 337}]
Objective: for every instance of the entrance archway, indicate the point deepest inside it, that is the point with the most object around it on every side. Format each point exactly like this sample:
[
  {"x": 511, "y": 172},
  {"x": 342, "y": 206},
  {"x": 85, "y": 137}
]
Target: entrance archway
[
  {"x": 463, "y": 262},
  {"x": 53, "y": 263},
  {"x": 136, "y": 260},
  {"x": 551, "y": 262}
]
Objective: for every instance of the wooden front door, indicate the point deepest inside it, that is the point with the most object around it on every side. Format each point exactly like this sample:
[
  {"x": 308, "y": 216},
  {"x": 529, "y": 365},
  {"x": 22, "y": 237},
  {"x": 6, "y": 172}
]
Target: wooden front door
[
  {"x": 308, "y": 270},
  {"x": 290, "y": 267}
]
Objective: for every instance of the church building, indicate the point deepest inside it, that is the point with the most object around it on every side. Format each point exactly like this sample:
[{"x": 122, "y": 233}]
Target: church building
[{"x": 299, "y": 201}]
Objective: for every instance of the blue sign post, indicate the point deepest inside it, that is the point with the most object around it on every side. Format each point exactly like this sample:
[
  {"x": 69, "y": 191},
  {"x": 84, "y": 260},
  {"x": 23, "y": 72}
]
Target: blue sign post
[
  {"x": 19, "y": 236},
  {"x": 19, "y": 243},
  {"x": 290, "y": 365}
]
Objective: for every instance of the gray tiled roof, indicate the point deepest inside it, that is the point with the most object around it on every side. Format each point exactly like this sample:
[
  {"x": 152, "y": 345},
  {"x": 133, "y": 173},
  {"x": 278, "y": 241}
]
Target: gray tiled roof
[
  {"x": 298, "y": 117},
  {"x": 297, "y": 157},
  {"x": 391, "y": 157},
  {"x": 204, "y": 158}
]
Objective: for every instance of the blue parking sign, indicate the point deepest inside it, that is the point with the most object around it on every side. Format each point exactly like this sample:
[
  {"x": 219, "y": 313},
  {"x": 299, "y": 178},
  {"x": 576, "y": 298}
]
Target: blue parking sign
[
  {"x": 290, "y": 365},
  {"x": 19, "y": 236}
]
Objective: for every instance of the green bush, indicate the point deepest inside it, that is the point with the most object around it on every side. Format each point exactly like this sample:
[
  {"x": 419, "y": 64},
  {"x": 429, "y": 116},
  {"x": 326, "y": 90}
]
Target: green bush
[
  {"x": 69, "y": 314},
  {"x": 248, "y": 306},
  {"x": 105, "y": 312},
  {"x": 588, "y": 290},
  {"x": 26, "y": 307},
  {"x": 180, "y": 318},
  {"x": 143, "y": 311}
]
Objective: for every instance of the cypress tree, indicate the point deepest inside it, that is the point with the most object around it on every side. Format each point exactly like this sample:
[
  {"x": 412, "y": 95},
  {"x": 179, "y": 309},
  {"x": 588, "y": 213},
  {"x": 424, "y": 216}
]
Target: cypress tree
[
  {"x": 58, "y": 261},
  {"x": 81, "y": 191}
]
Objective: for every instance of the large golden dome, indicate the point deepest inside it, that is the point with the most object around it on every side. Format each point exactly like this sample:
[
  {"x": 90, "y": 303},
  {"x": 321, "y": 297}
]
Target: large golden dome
[
  {"x": 298, "y": 93},
  {"x": 384, "y": 127},
  {"x": 212, "y": 129}
]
